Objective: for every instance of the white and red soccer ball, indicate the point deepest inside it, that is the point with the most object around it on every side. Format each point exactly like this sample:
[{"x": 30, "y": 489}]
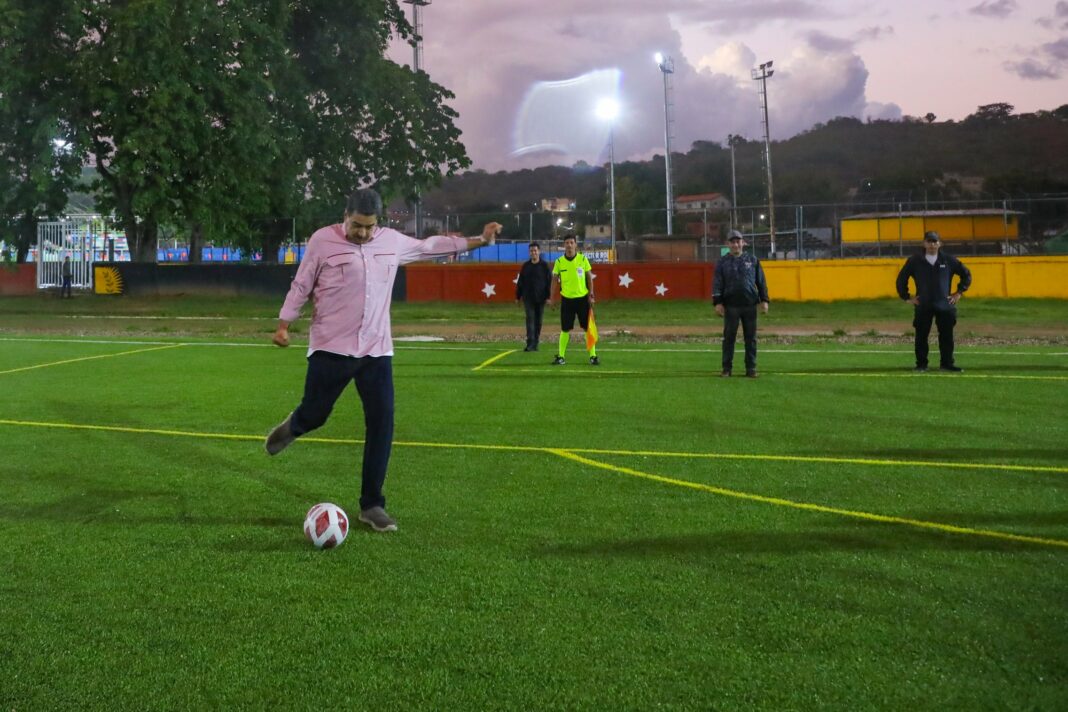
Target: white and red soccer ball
[{"x": 326, "y": 525}]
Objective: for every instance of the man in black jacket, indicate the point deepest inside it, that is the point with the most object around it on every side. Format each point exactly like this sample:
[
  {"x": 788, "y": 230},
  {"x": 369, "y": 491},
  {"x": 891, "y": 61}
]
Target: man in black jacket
[
  {"x": 532, "y": 288},
  {"x": 737, "y": 287},
  {"x": 933, "y": 271}
]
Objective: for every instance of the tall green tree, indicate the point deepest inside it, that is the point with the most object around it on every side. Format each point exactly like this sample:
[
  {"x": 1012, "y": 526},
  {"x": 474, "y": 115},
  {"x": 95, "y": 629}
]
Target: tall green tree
[
  {"x": 40, "y": 154},
  {"x": 222, "y": 116}
]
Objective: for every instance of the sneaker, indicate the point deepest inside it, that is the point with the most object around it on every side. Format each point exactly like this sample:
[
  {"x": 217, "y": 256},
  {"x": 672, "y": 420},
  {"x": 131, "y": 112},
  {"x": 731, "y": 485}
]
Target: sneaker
[
  {"x": 725, "y": 373},
  {"x": 951, "y": 368},
  {"x": 280, "y": 438},
  {"x": 377, "y": 519},
  {"x": 528, "y": 349},
  {"x": 558, "y": 361},
  {"x": 594, "y": 361},
  {"x": 920, "y": 369},
  {"x": 752, "y": 373}
]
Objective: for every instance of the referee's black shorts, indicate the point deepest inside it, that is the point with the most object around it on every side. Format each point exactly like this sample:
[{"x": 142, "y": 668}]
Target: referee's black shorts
[{"x": 571, "y": 308}]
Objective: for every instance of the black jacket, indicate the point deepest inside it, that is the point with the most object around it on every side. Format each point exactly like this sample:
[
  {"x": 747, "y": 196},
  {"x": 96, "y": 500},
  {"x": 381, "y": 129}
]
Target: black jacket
[
  {"x": 739, "y": 281},
  {"x": 932, "y": 281},
  {"x": 533, "y": 283}
]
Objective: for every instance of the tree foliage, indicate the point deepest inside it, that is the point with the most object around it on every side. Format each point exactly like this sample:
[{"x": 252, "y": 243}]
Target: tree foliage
[
  {"x": 216, "y": 115},
  {"x": 40, "y": 153}
]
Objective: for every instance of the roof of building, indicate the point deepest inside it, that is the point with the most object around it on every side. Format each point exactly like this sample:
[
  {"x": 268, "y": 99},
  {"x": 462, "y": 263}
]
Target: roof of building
[
  {"x": 975, "y": 212},
  {"x": 699, "y": 196}
]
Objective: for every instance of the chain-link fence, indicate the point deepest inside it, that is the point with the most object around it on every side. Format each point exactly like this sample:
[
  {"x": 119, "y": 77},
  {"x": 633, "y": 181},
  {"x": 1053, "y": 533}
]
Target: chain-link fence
[{"x": 1035, "y": 224}]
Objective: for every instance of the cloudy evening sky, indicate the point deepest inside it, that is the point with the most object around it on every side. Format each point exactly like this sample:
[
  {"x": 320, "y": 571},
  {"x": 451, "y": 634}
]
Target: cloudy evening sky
[{"x": 529, "y": 72}]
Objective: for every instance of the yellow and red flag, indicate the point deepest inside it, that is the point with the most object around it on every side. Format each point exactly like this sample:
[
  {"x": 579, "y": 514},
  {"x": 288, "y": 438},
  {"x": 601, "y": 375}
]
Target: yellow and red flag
[{"x": 591, "y": 332}]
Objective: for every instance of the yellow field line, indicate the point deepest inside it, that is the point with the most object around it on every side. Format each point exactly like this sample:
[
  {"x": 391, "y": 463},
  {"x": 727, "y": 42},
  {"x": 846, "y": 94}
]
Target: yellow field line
[
  {"x": 490, "y": 360},
  {"x": 779, "y": 502},
  {"x": 592, "y": 371},
  {"x": 570, "y": 454},
  {"x": 536, "y": 448},
  {"x": 90, "y": 358},
  {"x": 828, "y": 460}
]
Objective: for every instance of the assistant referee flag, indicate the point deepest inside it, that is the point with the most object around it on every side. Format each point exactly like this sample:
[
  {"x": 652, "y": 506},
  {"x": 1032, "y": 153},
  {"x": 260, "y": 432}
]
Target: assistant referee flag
[{"x": 591, "y": 332}]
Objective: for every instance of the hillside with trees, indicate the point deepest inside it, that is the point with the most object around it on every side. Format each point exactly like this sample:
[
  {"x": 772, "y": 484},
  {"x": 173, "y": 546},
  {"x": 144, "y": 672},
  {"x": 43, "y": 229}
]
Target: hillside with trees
[{"x": 843, "y": 160}]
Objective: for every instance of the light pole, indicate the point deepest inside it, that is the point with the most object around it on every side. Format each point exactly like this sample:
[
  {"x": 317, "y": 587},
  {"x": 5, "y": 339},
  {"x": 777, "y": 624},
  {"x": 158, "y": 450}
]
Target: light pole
[
  {"x": 608, "y": 110},
  {"x": 761, "y": 74},
  {"x": 417, "y": 64},
  {"x": 667, "y": 68},
  {"x": 732, "y": 140}
]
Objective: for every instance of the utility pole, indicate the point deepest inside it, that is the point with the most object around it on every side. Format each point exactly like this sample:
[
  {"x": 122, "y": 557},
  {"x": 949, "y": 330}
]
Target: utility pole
[
  {"x": 667, "y": 68},
  {"x": 417, "y": 64},
  {"x": 762, "y": 74},
  {"x": 731, "y": 140}
]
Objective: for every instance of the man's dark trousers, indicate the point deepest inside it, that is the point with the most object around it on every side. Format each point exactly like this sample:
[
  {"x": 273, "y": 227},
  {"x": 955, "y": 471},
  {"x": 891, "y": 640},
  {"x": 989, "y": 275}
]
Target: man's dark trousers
[
  {"x": 328, "y": 376},
  {"x": 534, "y": 313},
  {"x": 945, "y": 317},
  {"x": 748, "y": 318}
]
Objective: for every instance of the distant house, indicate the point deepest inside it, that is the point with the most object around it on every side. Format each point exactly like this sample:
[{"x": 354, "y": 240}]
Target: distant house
[
  {"x": 557, "y": 205},
  {"x": 597, "y": 232},
  {"x": 701, "y": 202}
]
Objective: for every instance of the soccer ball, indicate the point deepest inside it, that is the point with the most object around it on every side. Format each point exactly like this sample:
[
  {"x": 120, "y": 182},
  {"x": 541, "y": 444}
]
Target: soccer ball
[{"x": 326, "y": 525}]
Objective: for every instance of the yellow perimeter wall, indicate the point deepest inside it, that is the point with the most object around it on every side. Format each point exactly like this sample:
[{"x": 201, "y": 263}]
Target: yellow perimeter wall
[{"x": 831, "y": 280}]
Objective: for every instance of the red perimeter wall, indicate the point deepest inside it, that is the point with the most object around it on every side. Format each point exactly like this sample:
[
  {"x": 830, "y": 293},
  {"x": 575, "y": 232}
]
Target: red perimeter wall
[
  {"x": 468, "y": 282},
  {"x": 18, "y": 280}
]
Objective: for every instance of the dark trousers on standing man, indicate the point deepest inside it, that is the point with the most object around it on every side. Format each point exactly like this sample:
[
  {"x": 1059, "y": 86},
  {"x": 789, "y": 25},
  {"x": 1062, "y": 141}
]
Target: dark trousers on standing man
[
  {"x": 328, "y": 376},
  {"x": 945, "y": 318},
  {"x": 747, "y": 316},
  {"x": 534, "y": 312}
]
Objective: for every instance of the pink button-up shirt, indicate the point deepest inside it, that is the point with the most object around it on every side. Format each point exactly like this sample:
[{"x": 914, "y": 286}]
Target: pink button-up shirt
[{"x": 352, "y": 286}]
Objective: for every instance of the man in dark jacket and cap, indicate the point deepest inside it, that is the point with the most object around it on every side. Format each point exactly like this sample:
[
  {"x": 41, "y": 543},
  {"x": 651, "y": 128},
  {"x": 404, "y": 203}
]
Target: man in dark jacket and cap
[
  {"x": 932, "y": 271},
  {"x": 738, "y": 287}
]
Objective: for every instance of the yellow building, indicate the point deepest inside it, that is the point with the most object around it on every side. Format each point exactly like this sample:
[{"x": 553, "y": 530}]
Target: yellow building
[{"x": 982, "y": 224}]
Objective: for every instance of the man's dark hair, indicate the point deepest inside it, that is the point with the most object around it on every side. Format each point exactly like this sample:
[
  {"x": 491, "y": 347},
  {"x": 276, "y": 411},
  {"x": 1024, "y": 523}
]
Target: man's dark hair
[
  {"x": 534, "y": 244},
  {"x": 364, "y": 202},
  {"x": 570, "y": 237}
]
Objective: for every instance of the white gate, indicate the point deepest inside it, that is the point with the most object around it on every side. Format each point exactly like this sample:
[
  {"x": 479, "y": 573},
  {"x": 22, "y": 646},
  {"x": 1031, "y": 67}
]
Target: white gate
[{"x": 57, "y": 241}]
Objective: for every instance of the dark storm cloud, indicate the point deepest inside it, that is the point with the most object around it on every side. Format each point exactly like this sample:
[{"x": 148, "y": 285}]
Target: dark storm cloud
[
  {"x": 491, "y": 54},
  {"x": 1031, "y": 69},
  {"x": 827, "y": 43},
  {"x": 994, "y": 8}
]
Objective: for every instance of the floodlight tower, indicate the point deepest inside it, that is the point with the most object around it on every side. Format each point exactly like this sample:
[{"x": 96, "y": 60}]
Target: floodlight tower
[
  {"x": 667, "y": 68},
  {"x": 732, "y": 140},
  {"x": 761, "y": 74},
  {"x": 417, "y": 64},
  {"x": 608, "y": 110}
]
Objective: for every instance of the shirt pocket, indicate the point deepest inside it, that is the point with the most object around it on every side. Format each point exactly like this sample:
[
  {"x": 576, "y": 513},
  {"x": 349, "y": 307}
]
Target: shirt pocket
[
  {"x": 382, "y": 267},
  {"x": 332, "y": 274}
]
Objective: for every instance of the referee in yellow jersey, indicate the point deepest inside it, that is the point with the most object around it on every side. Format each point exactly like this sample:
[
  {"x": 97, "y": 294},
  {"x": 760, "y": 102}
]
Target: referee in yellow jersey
[{"x": 573, "y": 285}]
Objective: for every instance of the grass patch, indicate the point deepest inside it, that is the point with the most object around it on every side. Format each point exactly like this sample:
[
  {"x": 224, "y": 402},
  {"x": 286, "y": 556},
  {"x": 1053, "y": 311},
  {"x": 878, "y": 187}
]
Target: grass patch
[{"x": 166, "y": 567}]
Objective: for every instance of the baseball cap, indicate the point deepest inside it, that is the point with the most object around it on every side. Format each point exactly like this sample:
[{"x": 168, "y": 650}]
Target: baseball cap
[
  {"x": 931, "y": 236},
  {"x": 735, "y": 235}
]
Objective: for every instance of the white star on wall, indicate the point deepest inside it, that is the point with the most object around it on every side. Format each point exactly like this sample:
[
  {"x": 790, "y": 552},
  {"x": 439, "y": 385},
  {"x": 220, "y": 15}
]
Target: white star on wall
[
  {"x": 661, "y": 290},
  {"x": 625, "y": 279},
  {"x": 489, "y": 289}
]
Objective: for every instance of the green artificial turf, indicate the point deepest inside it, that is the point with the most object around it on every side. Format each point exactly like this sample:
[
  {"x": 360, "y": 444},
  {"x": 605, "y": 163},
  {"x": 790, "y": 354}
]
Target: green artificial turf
[{"x": 642, "y": 534}]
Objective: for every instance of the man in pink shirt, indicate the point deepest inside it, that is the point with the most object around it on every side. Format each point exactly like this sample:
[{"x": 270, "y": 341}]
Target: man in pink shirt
[{"x": 348, "y": 270}]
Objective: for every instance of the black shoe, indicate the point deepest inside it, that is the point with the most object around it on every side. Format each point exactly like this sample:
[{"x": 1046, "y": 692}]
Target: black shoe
[
  {"x": 528, "y": 349},
  {"x": 558, "y": 361},
  {"x": 951, "y": 368},
  {"x": 594, "y": 361},
  {"x": 752, "y": 373},
  {"x": 280, "y": 438},
  {"x": 726, "y": 373},
  {"x": 920, "y": 369}
]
